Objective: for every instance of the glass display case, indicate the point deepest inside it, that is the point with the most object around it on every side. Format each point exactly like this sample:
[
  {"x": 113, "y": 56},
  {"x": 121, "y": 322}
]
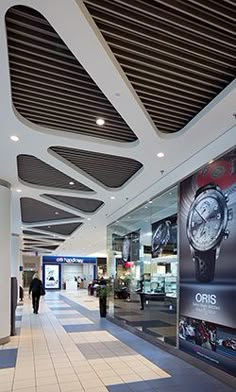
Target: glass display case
[{"x": 170, "y": 284}]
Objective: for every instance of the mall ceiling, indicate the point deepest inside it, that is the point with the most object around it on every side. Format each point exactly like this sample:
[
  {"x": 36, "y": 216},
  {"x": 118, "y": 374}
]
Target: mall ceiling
[{"x": 160, "y": 73}]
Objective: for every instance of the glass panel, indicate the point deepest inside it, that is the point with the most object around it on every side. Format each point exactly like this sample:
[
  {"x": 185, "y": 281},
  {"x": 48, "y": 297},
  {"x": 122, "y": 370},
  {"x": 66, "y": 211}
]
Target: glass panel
[{"x": 142, "y": 261}]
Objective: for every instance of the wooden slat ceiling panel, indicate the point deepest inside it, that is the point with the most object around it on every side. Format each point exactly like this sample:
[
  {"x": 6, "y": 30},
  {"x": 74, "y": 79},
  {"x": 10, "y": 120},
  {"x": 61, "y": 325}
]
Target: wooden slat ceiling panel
[
  {"x": 34, "y": 171},
  {"x": 50, "y": 87},
  {"x": 112, "y": 171},
  {"x": 178, "y": 55},
  {"x": 82, "y": 204},
  {"x": 33, "y": 211}
]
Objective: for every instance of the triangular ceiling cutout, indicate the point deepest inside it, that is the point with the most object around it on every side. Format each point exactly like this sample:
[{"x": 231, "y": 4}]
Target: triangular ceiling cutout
[
  {"x": 80, "y": 203},
  {"x": 33, "y": 211},
  {"x": 63, "y": 229},
  {"x": 34, "y": 171},
  {"x": 50, "y": 87},
  {"x": 111, "y": 170}
]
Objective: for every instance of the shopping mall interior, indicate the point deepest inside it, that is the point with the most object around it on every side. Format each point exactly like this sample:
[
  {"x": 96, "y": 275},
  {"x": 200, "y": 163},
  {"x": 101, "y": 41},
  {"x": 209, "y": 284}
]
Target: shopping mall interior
[{"x": 117, "y": 195}]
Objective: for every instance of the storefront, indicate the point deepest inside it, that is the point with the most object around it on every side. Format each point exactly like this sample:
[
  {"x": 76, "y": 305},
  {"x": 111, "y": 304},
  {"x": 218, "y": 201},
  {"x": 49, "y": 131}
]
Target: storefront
[
  {"x": 173, "y": 265},
  {"x": 143, "y": 261},
  {"x": 65, "y": 272}
]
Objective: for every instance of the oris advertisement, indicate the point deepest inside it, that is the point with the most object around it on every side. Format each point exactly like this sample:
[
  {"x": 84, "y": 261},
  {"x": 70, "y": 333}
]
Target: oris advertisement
[
  {"x": 164, "y": 237},
  {"x": 130, "y": 246},
  {"x": 207, "y": 249}
]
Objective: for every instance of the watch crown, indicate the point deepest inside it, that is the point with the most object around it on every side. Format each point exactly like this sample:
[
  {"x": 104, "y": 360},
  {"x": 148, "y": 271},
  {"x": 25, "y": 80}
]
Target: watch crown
[{"x": 226, "y": 234}]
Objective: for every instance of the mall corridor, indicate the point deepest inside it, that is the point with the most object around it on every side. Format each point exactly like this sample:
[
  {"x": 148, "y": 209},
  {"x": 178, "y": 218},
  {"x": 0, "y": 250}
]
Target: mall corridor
[{"x": 67, "y": 347}]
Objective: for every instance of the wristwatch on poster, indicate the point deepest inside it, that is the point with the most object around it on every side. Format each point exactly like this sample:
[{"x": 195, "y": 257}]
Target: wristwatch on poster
[
  {"x": 125, "y": 249},
  {"x": 160, "y": 237},
  {"x": 206, "y": 228}
]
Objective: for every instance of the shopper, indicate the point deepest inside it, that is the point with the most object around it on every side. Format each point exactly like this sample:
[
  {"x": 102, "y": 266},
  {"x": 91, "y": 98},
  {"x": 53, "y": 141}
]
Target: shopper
[
  {"x": 36, "y": 288},
  {"x": 140, "y": 292}
]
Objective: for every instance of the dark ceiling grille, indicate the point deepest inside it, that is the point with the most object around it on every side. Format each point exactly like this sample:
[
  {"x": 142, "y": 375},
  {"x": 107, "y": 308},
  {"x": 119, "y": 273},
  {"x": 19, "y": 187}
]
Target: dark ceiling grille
[
  {"x": 178, "y": 55},
  {"x": 82, "y": 204},
  {"x": 63, "y": 229},
  {"x": 49, "y": 85},
  {"x": 33, "y": 211},
  {"x": 32, "y": 240},
  {"x": 112, "y": 171},
  {"x": 33, "y": 233},
  {"x": 35, "y": 171},
  {"x": 50, "y": 247}
]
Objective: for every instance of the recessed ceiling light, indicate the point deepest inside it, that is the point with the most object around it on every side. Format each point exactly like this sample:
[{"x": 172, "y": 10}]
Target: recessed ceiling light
[
  {"x": 146, "y": 207},
  {"x": 150, "y": 202},
  {"x": 88, "y": 218},
  {"x": 19, "y": 190},
  {"x": 160, "y": 154},
  {"x": 56, "y": 213},
  {"x": 112, "y": 197},
  {"x": 14, "y": 138},
  {"x": 71, "y": 183},
  {"x": 100, "y": 121}
]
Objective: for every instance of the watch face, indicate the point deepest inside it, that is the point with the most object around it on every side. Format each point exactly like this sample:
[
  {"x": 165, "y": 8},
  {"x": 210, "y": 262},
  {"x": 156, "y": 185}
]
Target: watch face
[
  {"x": 125, "y": 249},
  {"x": 207, "y": 220},
  {"x": 160, "y": 236}
]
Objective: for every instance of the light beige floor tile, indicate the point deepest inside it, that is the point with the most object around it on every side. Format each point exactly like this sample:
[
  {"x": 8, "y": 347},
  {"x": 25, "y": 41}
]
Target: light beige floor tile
[
  {"x": 48, "y": 388},
  {"x": 71, "y": 386},
  {"x": 112, "y": 380},
  {"x": 5, "y": 387},
  {"x": 52, "y": 380}
]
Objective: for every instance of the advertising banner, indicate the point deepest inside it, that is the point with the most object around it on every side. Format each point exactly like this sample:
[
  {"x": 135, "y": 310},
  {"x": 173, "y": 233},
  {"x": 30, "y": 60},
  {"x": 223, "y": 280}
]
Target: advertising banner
[
  {"x": 207, "y": 248},
  {"x": 130, "y": 246},
  {"x": 51, "y": 275},
  {"x": 164, "y": 237}
]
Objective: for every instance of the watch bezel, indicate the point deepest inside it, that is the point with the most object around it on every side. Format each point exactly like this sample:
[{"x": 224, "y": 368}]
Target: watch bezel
[{"x": 218, "y": 195}]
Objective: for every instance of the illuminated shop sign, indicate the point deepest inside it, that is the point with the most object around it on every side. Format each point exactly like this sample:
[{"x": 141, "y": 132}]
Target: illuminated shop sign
[{"x": 69, "y": 260}]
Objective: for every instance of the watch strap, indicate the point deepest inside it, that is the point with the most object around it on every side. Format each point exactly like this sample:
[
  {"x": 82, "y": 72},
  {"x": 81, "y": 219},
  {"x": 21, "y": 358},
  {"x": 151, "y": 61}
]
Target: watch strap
[{"x": 205, "y": 265}]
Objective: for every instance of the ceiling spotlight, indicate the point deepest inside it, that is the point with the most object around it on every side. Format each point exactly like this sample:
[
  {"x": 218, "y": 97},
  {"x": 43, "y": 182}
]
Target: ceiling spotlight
[
  {"x": 160, "y": 154},
  {"x": 112, "y": 197},
  {"x": 14, "y": 138},
  {"x": 100, "y": 121},
  {"x": 211, "y": 161},
  {"x": 150, "y": 202},
  {"x": 71, "y": 183},
  {"x": 19, "y": 190}
]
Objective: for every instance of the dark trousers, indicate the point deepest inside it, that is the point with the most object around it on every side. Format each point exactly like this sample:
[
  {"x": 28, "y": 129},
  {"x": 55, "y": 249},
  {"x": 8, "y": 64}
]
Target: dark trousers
[
  {"x": 35, "y": 301},
  {"x": 142, "y": 300}
]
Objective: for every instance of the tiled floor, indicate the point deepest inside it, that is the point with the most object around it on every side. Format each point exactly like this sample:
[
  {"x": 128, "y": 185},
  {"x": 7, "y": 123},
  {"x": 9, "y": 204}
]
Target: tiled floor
[{"x": 68, "y": 348}]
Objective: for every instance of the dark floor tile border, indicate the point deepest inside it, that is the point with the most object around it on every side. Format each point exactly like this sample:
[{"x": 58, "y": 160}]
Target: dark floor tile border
[
  {"x": 151, "y": 354},
  {"x": 205, "y": 367},
  {"x": 8, "y": 358}
]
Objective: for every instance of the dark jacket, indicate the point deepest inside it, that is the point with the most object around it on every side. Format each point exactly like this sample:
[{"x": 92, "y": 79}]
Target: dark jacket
[{"x": 35, "y": 286}]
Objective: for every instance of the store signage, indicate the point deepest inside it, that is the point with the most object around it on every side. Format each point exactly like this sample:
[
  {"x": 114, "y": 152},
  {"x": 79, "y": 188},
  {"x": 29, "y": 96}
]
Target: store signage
[
  {"x": 207, "y": 248},
  {"x": 69, "y": 260}
]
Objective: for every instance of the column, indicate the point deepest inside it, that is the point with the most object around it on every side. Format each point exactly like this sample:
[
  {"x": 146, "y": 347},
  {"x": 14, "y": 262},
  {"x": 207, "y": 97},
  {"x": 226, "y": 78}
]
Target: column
[
  {"x": 16, "y": 259},
  {"x": 5, "y": 268}
]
